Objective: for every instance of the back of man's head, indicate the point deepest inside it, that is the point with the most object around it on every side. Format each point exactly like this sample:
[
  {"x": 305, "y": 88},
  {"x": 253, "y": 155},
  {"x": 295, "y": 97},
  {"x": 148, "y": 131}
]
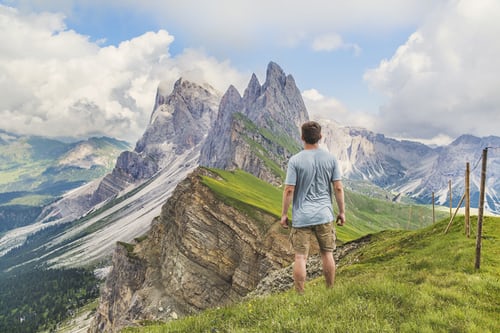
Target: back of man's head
[{"x": 311, "y": 132}]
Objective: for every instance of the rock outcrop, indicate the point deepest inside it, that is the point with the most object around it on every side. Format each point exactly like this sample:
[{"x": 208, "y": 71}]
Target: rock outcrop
[
  {"x": 178, "y": 126},
  {"x": 180, "y": 122},
  {"x": 259, "y": 131},
  {"x": 199, "y": 253}
]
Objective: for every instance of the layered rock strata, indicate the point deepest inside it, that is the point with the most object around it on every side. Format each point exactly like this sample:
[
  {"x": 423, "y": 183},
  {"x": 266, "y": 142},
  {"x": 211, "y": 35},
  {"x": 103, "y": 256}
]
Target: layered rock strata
[{"x": 200, "y": 252}]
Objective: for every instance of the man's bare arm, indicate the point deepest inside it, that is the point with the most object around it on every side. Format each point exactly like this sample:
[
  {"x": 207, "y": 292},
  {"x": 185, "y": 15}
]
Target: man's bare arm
[
  {"x": 287, "y": 200},
  {"x": 338, "y": 189}
]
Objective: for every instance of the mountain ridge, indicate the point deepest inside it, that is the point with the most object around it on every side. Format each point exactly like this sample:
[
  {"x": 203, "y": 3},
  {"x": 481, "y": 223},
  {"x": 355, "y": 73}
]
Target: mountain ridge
[
  {"x": 35, "y": 171},
  {"x": 412, "y": 168}
]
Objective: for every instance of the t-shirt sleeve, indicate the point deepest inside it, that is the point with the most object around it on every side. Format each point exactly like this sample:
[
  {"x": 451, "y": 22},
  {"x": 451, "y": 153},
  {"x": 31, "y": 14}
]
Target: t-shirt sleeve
[
  {"x": 291, "y": 174},
  {"x": 336, "y": 174}
]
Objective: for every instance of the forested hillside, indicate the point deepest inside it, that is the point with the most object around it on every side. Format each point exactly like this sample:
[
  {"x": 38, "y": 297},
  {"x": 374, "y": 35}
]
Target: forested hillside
[{"x": 39, "y": 299}]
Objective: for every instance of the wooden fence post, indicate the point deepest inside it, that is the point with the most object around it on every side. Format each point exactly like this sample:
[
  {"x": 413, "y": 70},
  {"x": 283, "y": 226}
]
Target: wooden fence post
[
  {"x": 467, "y": 200},
  {"x": 433, "y": 209},
  {"x": 481, "y": 210},
  {"x": 451, "y": 198},
  {"x": 456, "y": 211}
]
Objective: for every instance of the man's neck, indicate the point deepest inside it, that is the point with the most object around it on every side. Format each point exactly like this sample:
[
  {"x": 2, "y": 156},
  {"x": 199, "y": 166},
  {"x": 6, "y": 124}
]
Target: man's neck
[{"x": 308, "y": 146}]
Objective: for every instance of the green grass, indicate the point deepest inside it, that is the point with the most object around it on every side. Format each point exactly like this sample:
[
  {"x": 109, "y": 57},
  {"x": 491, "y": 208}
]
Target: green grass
[
  {"x": 364, "y": 215},
  {"x": 243, "y": 188},
  {"x": 36, "y": 200},
  {"x": 402, "y": 281},
  {"x": 282, "y": 140},
  {"x": 19, "y": 171}
]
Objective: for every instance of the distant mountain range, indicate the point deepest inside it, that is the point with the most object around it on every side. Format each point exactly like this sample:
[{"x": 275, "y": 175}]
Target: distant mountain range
[
  {"x": 35, "y": 171},
  {"x": 414, "y": 169},
  {"x": 50, "y": 167}
]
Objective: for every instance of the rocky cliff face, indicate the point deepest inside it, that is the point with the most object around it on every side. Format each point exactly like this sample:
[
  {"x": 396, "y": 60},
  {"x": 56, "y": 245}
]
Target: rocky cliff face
[
  {"x": 178, "y": 127},
  {"x": 366, "y": 155},
  {"x": 180, "y": 122},
  {"x": 259, "y": 131},
  {"x": 199, "y": 253}
]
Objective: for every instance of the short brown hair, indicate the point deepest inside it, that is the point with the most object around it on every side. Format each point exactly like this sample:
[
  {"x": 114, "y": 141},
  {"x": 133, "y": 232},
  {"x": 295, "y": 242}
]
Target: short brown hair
[{"x": 311, "y": 132}]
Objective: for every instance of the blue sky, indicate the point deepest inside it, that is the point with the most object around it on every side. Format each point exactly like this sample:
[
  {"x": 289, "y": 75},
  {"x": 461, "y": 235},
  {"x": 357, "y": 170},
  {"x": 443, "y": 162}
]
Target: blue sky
[{"x": 416, "y": 69}]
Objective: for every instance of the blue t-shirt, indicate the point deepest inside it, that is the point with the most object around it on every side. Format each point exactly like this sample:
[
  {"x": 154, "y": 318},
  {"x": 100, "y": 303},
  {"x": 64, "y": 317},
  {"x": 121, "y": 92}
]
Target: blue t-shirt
[{"x": 312, "y": 173}]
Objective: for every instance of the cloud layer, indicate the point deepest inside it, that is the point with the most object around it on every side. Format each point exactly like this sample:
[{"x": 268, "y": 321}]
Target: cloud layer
[
  {"x": 438, "y": 84},
  {"x": 444, "y": 80},
  {"x": 55, "y": 82}
]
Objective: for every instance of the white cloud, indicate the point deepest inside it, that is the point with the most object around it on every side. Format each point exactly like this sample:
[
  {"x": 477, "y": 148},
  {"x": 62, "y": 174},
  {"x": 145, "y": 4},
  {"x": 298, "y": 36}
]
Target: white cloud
[
  {"x": 245, "y": 18},
  {"x": 55, "y": 82},
  {"x": 332, "y": 42},
  {"x": 322, "y": 107},
  {"x": 438, "y": 140},
  {"x": 444, "y": 79},
  {"x": 327, "y": 42},
  {"x": 243, "y": 24}
]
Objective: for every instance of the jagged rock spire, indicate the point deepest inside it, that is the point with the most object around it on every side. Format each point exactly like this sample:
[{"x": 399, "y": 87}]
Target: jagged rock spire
[
  {"x": 275, "y": 108},
  {"x": 179, "y": 123},
  {"x": 252, "y": 92},
  {"x": 217, "y": 150}
]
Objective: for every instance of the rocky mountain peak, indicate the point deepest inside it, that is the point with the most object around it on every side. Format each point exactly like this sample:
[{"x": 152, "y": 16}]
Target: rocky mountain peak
[
  {"x": 178, "y": 126},
  {"x": 466, "y": 139},
  {"x": 182, "y": 118},
  {"x": 217, "y": 150},
  {"x": 232, "y": 95},
  {"x": 252, "y": 92},
  {"x": 274, "y": 75},
  {"x": 280, "y": 106},
  {"x": 276, "y": 107}
]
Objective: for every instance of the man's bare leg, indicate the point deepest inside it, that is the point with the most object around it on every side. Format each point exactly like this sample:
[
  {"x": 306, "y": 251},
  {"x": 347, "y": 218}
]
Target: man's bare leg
[
  {"x": 328, "y": 268},
  {"x": 299, "y": 272}
]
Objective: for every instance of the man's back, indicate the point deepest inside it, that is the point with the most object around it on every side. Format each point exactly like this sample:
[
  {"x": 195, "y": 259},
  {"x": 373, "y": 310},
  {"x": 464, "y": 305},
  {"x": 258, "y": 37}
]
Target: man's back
[{"x": 312, "y": 171}]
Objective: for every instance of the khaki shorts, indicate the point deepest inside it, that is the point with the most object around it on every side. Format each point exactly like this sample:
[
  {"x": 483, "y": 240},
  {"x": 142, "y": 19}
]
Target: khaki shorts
[{"x": 325, "y": 235}]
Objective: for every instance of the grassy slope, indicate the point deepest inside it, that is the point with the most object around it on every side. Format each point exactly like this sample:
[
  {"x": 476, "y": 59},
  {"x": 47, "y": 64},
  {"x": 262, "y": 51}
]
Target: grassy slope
[
  {"x": 402, "y": 281},
  {"x": 365, "y": 215}
]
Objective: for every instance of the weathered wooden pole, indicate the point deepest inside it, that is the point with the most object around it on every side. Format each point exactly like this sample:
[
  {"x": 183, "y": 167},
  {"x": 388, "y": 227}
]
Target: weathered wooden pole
[
  {"x": 433, "y": 209},
  {"x": 409, "y": 218},
  {"x": 451, "y": 199},
  {"x": 456, "y": 211},
  {"x": 467, "y": 200},
  {"x": 481, "y": 210}
]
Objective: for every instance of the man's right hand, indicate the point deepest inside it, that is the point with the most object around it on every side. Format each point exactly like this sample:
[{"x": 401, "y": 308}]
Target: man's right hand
[{"x": 284, "y": 221}]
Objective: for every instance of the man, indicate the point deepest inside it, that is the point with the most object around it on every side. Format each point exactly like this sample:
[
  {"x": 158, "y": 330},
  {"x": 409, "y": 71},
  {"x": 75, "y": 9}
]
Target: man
[{"x": 308, "y": 183}]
